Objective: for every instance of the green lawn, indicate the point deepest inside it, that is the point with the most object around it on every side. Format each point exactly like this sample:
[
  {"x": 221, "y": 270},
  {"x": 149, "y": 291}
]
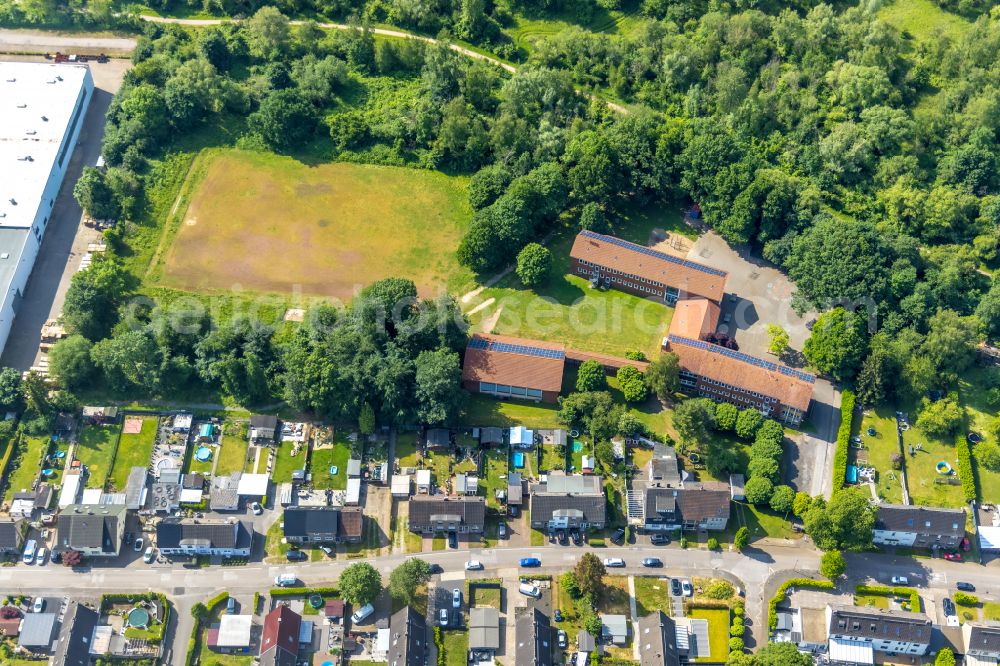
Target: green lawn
[
  {"x": 877, "y": 451},
  {"x": 614, "y": 599},
  {"x": 437, "y": 543},
  {"x": 414, "y": 542},
  {"x": 528, "y": 31},
  {"x": 871, "y": 600},
  {"x": 481, "y": 410},
  {"x": 232, "y": 454},
  {"x": 565, "y": 309},
  {"x": 991, "y": 611},
  {"x": 29, "y": 458},
  {"x": 651, "y": 594},
  {"x": 133, "y": 451},
  {"x": 406, "y": 449},
  {"x": 496, "y": 474},
  {"x": 286, "y": 463},
  {"x": 552, "y": 459},
  {"x": 718, "y": 632},
  {"x": 972, "y": 393},
  {"x": 456, "y": 648},
  {"x": 440, "y": 465},
  {"x": 761, "y": 522},
  {"x": 923, "y": 19},
  {"x": 272, "y": 541},
  {"x": 95, "y": 449},
  {"x": 322, "y": 459},
  {"x": 921, "y": 472}
]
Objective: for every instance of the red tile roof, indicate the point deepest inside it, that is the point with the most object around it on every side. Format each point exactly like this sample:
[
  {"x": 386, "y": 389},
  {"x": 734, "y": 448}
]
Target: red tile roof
[
  {"x": 281, "y": 630},
  {"x": 514, "y": 368},
  {"x": 694, "y": 318},
  {"x": 334, "y": 608},
  {"x": 607, "y": 360},
  {"x": 688, "y": 277}
]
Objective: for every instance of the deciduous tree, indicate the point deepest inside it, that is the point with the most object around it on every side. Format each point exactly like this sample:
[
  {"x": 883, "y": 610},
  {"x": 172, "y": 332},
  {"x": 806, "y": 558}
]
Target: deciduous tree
[{"x": 360, "y": 584}]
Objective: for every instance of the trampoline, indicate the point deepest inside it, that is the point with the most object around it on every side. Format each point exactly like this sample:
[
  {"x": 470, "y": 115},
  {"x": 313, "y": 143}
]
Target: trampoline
[
  {"x": 852, "y": 474},
  {"x": 138, "y": 617},
  {"x": 47, "y": 472},
  {"x": 316, "y": 601},
  {"x": 973, "y": 438},
  {"x": 203, "y": 454},
  {"x": 518, "y": 460}
]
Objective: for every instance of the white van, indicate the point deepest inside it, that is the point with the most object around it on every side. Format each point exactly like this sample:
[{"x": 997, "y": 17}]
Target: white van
[
  {"x": 362, "y": 614},
  {"x": 529, "y": 590},
  {"x": 29, "y": 552},
  {"x": 286, "y": 580}
]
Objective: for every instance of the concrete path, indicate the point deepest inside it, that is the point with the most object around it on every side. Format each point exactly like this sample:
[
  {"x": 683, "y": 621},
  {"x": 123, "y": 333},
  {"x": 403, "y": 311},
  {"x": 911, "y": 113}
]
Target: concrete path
[
  {"x": 41, "y": 42},
  {"x": 633, "y": 613}
]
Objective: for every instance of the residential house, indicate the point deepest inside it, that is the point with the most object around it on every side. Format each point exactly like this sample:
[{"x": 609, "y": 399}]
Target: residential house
[
  {"x": 736, "y": 487},
  {"x": 430, "y": 514},
  {"x": 714, "y": 371},
  {"x": 484, "y": 630},
  {"x": 22, "y": 505},
  {"x": 533, "y": 638},
  {"x": 806, "y": 627},
  {"x": 423, "y": 477},
  {"x": 981, "y": 642},
  {"x": 76, "y": 644},
  {"x": 491, "y": 436},
  {"x": 466, "y": 484},
  {"x": 509, "y": 367},
  {"x": 304, "y": 525},
  {"x": 662, "y": 470},
  {"x": 438, "y": 438},
  {"x": 703, "y": 506},
  {"x": 224, "y": 492},
  {"x": 279, "y": 643},
  {"x": 515, "y": 489},
  {"x": 642, "y": 271},
  {"x": 614, "y": 629},
  {"x": 263, "y": 428},
  {"x": 657, "y": 640},
  {"x": 11, "y": 535},
  {"x": 38, "y": 632},
  {"x": 226, "y": 538},
  {"x": 95, "y": 530},
  {"x": 568, "y": 502},
  {"x": 919, "y": 526},
  {"x": 407, "y": 638},
  {"x": 100, "y": 415},
  {"x": 855, "y": 633},
  {"x": 522, "y": 438},
  {"x": 231, "y": 634}
]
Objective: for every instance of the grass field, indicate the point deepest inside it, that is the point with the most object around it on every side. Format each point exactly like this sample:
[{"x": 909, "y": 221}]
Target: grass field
[
  {"x": 285, "y": 463},
  {"x": 923, "y": 19},
  {"x": 481, "y": 410},
  {"x": 973, "y": 396},
  {"x": 271, "y": 224},
  {"x": 526, "y": 31},
  {"x": 406, "y": 449},
  {"x": 877, "y": 450},
  {"x": 95, "y": 449},
  {"x": 565, "y": 309},
  {"x": 456, "y": 648},
  {"x": 232, "y": 455},
  {"x": 651, "y": 594},
  {"x": 921, "y": 472},
  {"x": 32, "y": 449},
  {"x": 871, "y": 600},
  {"x": 322, "y": 459},
  {"x": 718, "y": 632},
  {"x": 614, "y": 599},
  {"x": 133, "y": 451}
]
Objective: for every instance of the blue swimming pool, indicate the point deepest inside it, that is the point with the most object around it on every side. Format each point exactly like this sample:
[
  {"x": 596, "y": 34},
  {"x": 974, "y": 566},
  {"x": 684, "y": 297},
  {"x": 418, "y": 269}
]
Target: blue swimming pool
[
  {"x": 852, "y": 473},
  {"x": 577, "y": 446},
  {"x": 518, "y": 460}
]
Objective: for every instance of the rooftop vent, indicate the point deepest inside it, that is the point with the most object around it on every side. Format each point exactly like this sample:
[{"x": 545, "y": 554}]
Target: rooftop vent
[
  {"x": 11, "y": 80},
  {"x": 22, "y": 106},
  {"x": 45, "y": 119},
  {"x": 26, "y": 158},
  {"x": 31, "y": 132},
  {"x": 5, "y": 255}
]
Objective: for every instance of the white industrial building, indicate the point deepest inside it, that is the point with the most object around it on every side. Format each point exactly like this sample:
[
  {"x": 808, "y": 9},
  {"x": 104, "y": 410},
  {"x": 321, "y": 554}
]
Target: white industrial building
[{"x": 42, "y": 108}]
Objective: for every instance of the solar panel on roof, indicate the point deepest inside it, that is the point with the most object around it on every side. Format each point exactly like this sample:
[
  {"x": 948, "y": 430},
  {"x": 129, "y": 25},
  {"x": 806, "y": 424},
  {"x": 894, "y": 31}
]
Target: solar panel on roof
[
  {"x": 654, "y": 253},
  {"x": 510, "y": 348},
  {"x": 745, "y": 358},
  {"x": 478, "y": 343},
  {"x": 792, "y": 372}
]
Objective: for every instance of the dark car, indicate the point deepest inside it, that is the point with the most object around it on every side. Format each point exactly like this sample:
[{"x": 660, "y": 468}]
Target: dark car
[
  {"x": 296, "y": 556},
  {"x": 563, "y": 539},
  {"x": 530, "y": 562},
  {"x": 965, "y": 587},
  {"x": 949, "y": 607},
  {"x": 652, "y": 562},
  {"x": 619, "y": 536},
  {"x": 515, "y": 511},
  {"x": 675, "y": 587},
  {"x": 659, "y": 539},
  {"x": 577, "y": 538},
  {"x": 558, "y": 615},
  {"x": 436, "y": 569},
  {"x": 452, "y": 540}
]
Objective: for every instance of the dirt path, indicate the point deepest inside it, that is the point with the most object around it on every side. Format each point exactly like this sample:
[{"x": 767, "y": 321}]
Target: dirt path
[{"x": 39, "y": 41}]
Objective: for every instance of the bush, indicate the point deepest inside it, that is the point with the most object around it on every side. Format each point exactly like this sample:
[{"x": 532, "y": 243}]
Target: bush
[
  {"x": 212, "y": 603},
  {"x": 684, "y": 542},
  {"x": 736, "y": 644},
  {"x": 713, "y": 543},
  {"x": 965, "y": 599},
  {"x": 741, "y": 538},
  {"x": 303, "y": 591},
  {"x": 534, "y": 263},
  {"x": 758, "y": 490},
  {"x": 739, "y": 610},
  {"x": 719, "y": 589},
  {"x": 736, "y": 630},
  {"x": 965, "y": 470},
  {"x": 844, "y": 440}
]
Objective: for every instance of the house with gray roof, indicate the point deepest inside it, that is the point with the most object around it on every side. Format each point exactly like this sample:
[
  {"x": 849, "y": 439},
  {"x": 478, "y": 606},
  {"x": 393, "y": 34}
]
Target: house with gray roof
[
  {"x": 663, "y": 470},
  {"x": 95, "y": 530},
  {"x": 533, "y": 638},
  {"x": 614, "y": 629},
  {"x": 407, "y": 638},
  {"x": 918, "y": 526},
  {"x": 11, "y": 535},
  {"x": 75, "y": 646},
  {"x": 430, "y": 514},
  {"x": 568, "y": 502},
  {"x": 981, "y": 641},
  {"x": 657, "y": 637},
  {"x": 322, "y": 524},
  {"x": 263, "y": 428},
  {"x": 224, "y": 494},
  {"x": 38, "y": 632},
  {"x": 484, "y": 629},
  {"x": 701, "y": 506},
  {"x": 491, "y": 436},
  {"x": 855, "y": 633},
  {"x": 228, "y": 538}
]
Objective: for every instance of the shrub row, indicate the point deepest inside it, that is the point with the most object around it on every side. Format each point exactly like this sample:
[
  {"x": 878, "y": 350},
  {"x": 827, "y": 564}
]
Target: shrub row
[
  {"x": 887, "y": 591},
  {"x": 211, "y": 604},
  {"x": 779, "y": 596},
  {"x": 843, "y": 439},
  {"x": 965, "y": 599},
  {"x": 965, "y": 469},
  {"x": 303, "y": 591},
  {"x": 439, "y": 643},
  {"x": 12, "y": 446}
]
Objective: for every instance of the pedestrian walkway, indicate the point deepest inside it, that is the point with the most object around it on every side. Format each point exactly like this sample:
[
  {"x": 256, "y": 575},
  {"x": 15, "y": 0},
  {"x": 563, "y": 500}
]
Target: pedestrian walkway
[{"x": 635, "y": 618}]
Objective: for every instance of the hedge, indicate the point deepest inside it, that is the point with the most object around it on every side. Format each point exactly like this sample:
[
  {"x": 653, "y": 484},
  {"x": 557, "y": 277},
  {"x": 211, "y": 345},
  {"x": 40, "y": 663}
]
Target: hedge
[
  {"x": 439, "y": 643},
  {"x": 13, "y": 445},
  {"x": 216, "y": 600},
  {"x": 886, "y": 591},
  {"x": 303, "y": 591},
  {"x": 965, "y": 470},
  {"x": 966, "y": 599},
  {"x": 843, "y": 440},
  {"x": 779, "y": 596}
]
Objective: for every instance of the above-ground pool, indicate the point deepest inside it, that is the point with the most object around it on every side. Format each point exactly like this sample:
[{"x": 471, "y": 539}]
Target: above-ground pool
[
  {"x": 138, "y": 617},
  {"x": 577, "y": 446},
  {"x": 852, "y": 473},
  {"x": 60, "y": 454},
  {"x": 518, "y": 460},
  {"x": 203, "y": 454},
  {"x": 943, "y": 467},
  {"x": 47, "y": 472}
]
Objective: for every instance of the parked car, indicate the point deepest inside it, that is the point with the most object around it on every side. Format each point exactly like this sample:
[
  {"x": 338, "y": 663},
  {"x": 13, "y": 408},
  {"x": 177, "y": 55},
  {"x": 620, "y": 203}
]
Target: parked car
[
  {"x": 286, "y": 580},
  {"x": 29, "y": 552},
  {"x": 138, "y": 545},
  {"x": 515, "y": 511},
  {"x": 41, "y": 555},
  {"x": 39, "y": 605},
  {"x": 456, "y": 598},
  {"x": 619, "y": 536},
  {"x": 149, "y": 555},
  {"x": 577, "y": 537},
  {"x": 686, "y": 588},
  {"x": 900, "y": 580},
  {"x": 327, "y": 549},
  {"x": 436, "y": 569},
  {"x": 563, "y": 539},
  {"x": 256, "y": 508},
  {"x": 502, "y": 530},
  {"x": 231, "y": 606},
  {"x": 452, "y": 540},
  {"x": 558, "y": 615},
  {"x": 443, "y": 617},
  {"x": 529, "y": 590},
  {"x": 362, "y": 614},
  {"x": 296, "y": 555},
  {"x": 473, "y": 565},
  {"x": 659, "y": 539},
  {"x": 615, "y": 562},
  {"x": 652, "y": 562},
  {"x": 965, "y": 587},
  {"x": 954, "y": 557},
  {"x": 530, "y": 562},
  {"x": 562, "y": 638},
  {"x": 948, "y": 606},
  {"x": 675, "y": 587}
]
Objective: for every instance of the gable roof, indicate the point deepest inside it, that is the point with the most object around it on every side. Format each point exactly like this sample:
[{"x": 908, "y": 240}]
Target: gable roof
[
  {"x": 90, "y": 526},
  {"x": 177, "y": 532},
  {"x": 351, "y": 520},
  {"x": 77, "y": 637},
  {"x": 501, "y": 359},
  {"x": 10, "y": 533},
  {"x": 266, "y": 421},
  {"x": 470, "y": 510},
  {"x": 484, "y": 629},
  {"x": 304, "y": 521},
  {"x": 694, "y": 502},
  {"x": 562, "y": 493},
  {"x": 878, "y": 623},
  {"x": 688, "y": 277},
  {"x": 533, "y": 636},
  {"x": 921, "y": 520},
  {"x": 695, "y": 318},
  {"x": 407, "y": 638},
  {"x": 657, "y": 636},
  {"x": 983, "y": 638},
  {"x": 279, "y": 642}
]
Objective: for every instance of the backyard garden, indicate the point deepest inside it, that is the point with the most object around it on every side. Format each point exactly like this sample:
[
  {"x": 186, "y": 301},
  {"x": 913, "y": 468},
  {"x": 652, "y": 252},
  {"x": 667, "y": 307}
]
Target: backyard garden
[
  {"x": 95, "y": 448},
  {"x": 134, "y": 449}
]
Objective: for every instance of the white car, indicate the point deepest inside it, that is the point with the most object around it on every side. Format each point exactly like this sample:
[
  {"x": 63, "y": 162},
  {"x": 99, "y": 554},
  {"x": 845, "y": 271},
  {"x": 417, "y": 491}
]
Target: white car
[
  {"x": 456, "y": 598},
  {"x": 615, "y": 562},
  {"x": 39, "y": 605},
  {"x": 473, "y": 565},
  {"x": 900, "y": 580},
  {"x": 256, "y": 508},
  {"x": 443, "y": 617},
  {"x": 149, "y": 555},
  {"x": 41, "y": 555},
  {"x": 137, "y": 546},
  {"x": 686, "y": 588}
]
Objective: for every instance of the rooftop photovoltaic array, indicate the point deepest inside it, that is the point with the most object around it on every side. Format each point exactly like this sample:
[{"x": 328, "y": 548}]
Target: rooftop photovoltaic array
[
  {"x": 745, "y": 358},
  {"x": 506, "y": 347},
  {"x": 653, "y": 253}
]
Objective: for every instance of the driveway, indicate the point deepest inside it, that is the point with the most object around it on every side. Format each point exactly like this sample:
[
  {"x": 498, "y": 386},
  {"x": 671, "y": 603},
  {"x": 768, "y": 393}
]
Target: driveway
[{"x": 66, "y": 239}]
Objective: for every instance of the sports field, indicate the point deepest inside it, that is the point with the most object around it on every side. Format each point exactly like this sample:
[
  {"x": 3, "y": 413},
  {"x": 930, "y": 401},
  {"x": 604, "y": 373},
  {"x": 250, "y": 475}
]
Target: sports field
[{"x": 266, "y": 223}]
